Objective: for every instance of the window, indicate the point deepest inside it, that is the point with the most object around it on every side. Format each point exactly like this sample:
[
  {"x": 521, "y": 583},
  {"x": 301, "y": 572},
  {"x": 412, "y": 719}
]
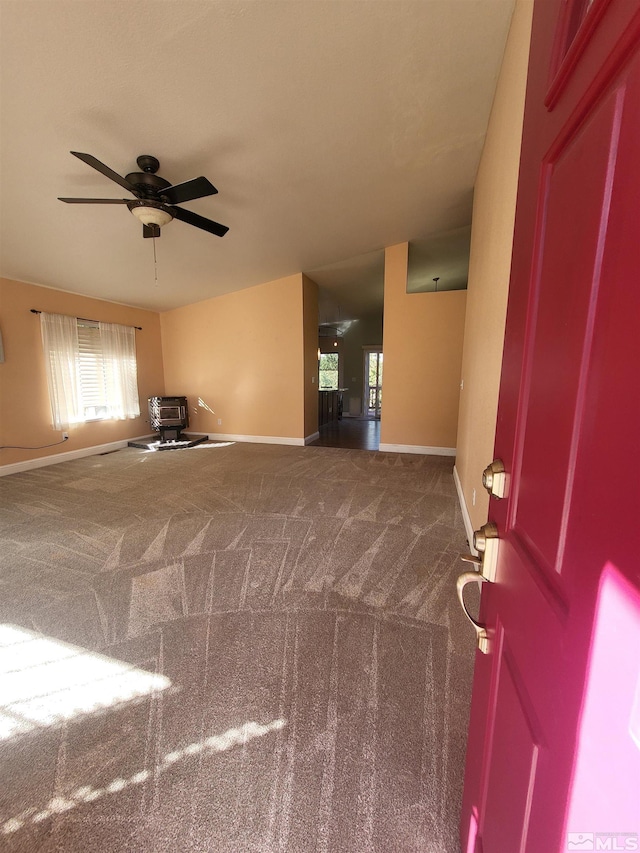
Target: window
[
  {"x": 328, "y": 371},
  {"x": 93, "y": 389},
  {"x": 91, "y": 369}
]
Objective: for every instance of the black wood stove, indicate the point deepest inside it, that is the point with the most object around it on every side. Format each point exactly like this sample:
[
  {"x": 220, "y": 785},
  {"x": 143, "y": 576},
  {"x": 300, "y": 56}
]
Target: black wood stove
[{"x": 169, "y": 416}]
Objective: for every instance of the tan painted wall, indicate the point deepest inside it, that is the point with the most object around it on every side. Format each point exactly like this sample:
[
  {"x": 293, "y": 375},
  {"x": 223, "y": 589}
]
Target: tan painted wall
[
  {"x": 310, "y": 331},
  {"x": 25, "y": 413},
  {"x": 490, "y": 264},
  {"x": 422, "y": 345},
  {"x": 242, "y": 356}
]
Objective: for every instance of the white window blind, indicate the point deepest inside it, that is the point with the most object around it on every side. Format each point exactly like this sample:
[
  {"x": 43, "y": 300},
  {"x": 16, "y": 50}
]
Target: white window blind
[{"x": 91, "y": 371}]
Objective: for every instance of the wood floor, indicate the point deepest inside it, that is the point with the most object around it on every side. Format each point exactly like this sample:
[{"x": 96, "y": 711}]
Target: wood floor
[{"x": 352, "y": 433}]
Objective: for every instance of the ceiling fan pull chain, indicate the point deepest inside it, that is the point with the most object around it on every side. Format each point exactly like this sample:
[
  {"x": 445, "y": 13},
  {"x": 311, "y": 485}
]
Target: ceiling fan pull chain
[{"x": 155, "y": 262}]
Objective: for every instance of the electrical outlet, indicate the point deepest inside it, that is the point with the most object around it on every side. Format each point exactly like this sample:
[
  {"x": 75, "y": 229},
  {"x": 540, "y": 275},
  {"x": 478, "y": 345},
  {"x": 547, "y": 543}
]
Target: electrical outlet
[
  {"x": 219, "y": 421},
  {"x": 65, "y": 436}
]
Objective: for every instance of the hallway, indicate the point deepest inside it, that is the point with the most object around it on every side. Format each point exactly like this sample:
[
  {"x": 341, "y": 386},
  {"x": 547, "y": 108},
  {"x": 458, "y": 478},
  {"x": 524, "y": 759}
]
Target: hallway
[{"x": 350, "y": 433}]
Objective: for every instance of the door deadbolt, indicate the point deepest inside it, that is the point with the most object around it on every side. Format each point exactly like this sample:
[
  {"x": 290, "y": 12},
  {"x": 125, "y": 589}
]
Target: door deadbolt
[{"x": 494, "y": 479}]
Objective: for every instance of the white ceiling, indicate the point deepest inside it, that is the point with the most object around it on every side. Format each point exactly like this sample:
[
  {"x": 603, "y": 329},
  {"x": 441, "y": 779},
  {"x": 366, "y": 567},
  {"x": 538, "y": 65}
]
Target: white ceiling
[{"x": 330, "y": 128}]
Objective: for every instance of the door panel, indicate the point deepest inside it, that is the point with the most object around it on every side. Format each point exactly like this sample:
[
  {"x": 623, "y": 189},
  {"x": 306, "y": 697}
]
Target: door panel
[
  {"x": 554, "y": 700},
  {"x": 575, "y": 201},
  {"x": 609, "y": 734},
  {"x": 512, "y": 774}
]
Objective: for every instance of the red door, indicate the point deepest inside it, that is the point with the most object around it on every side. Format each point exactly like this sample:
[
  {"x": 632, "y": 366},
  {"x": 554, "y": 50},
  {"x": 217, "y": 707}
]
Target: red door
[{"x": 553, "y": 760}]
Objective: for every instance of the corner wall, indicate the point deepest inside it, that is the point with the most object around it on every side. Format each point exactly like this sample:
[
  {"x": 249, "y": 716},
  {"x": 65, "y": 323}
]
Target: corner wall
[
  {"x": 239, "y": 358},
  {"x": 490, "y": 265},
  {"x": 25, "y": 413},
  {"x": 422, "y": 346}
]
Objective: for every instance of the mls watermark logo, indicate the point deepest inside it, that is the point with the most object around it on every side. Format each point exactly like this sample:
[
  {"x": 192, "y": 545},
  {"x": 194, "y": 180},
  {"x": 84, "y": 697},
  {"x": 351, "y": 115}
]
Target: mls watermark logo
[{"x": 603, "y": 841}]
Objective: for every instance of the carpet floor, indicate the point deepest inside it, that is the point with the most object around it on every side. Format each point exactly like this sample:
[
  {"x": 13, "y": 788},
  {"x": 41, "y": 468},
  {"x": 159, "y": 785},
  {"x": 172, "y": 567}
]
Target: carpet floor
[{"x": 234, "y": 647}]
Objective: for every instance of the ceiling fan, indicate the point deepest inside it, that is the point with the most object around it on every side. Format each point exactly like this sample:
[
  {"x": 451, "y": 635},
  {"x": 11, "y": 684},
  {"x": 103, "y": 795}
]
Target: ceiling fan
[{"x": 155, "y": 199}]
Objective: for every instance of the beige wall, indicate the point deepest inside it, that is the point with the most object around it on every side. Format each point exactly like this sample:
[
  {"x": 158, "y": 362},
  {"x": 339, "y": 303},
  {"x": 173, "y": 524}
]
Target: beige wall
[
  {"x": 310, "y": 331},
  {"x": 242, "y": 356},
  {"x": 490, "y": 264},
  {"x": 422, "y": 345},
  {"x": 25, "y": 413}
]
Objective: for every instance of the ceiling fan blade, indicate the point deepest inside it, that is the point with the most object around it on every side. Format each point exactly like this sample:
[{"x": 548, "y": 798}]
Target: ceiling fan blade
[
  {"x": 94, "y": 200},
  {"x": 105, "y": 170},
  {"x": 150, "y": 230},
  {"x": 189, "y": 190},
  {"x": 199, "y": 221}
]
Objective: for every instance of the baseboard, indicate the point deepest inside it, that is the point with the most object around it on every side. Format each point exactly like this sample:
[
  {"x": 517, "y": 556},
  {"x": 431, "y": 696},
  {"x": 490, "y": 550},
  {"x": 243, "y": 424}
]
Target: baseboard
[
  {"x": 313, "y": 437},
  {"x": 256, "y": 439},
  {"x": 43, "y": 461},
  {"x": 468, "y": 526},
  {"x": 417, "y": 448}
]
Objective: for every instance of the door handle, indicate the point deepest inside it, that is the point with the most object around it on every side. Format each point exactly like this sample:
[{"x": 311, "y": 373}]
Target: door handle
[
  {"x": 482, "y": 638},
  {"x": 485, "y": 541},
  {"x": 494, "y": 479}
]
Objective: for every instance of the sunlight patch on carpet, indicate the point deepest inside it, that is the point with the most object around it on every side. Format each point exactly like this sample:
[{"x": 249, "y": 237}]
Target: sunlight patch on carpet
[
  {"x": 46, "y": 681},
  {"x": 88, "y": 794}
]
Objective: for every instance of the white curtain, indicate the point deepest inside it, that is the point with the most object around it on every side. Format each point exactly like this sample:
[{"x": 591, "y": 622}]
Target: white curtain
[
  {"x": 61, "y": 350},
  {"x": 120, "y": 370}
]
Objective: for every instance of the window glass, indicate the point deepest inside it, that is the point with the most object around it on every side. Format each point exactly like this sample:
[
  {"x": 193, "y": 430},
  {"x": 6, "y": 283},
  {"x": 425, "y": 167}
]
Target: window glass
[{"x": 328, "y": 371}]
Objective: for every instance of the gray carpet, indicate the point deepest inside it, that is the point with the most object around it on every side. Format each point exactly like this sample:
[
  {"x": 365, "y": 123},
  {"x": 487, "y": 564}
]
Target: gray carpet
[{"x": 232, "y": 648}]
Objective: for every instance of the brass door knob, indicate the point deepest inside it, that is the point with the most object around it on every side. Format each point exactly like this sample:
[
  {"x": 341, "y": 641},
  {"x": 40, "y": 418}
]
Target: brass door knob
[
  {"x": 485, "y": 541},
  {"x": 494, "y": 479},
  {"x": 480, "y": 537}
]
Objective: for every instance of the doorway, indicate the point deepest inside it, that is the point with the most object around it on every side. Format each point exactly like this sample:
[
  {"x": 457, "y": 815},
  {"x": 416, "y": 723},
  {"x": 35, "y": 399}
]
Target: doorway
[
  {"x": 350, "y": 314},
  {"x": 373, "y": 360}
]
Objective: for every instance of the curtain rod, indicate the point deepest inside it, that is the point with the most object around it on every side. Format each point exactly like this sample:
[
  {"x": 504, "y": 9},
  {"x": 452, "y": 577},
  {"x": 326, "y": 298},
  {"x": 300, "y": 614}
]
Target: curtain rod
[{"x": 84, "y": 319}]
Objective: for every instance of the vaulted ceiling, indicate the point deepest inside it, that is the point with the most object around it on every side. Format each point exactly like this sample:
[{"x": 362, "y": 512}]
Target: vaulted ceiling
[{"x": 331, "y": 129}]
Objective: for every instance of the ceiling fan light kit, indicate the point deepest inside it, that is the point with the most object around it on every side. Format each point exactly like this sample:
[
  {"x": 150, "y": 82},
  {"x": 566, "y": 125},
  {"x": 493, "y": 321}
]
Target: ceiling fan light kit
[
  {"x": 156, "y": 198},
  {"x": 150, "y": 214}
]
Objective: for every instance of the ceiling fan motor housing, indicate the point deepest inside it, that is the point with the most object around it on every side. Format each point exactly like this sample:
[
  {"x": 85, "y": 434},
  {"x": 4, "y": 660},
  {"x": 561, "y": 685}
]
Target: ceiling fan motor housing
[{"x": 146, "y": 184}]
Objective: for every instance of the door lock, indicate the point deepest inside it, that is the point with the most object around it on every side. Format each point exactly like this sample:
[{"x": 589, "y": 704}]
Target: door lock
[{"x": 494, "y": 479}]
